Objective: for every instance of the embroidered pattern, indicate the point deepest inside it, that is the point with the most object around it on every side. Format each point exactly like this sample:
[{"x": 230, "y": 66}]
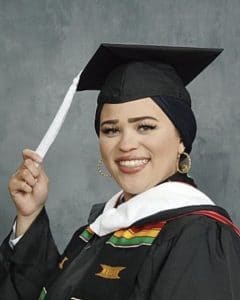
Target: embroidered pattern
[
  {"x": 110, "y": 272},
  {"x": 136, "y": 236},
  {"x": 60, "y": 265},
  {"x": 87, "y": 234},
  {"x": 43, "y": 294}
]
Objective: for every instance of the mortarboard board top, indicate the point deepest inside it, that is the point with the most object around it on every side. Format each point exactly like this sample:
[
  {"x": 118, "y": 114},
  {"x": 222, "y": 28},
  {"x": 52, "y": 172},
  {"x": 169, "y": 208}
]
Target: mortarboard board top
[{"x": 188, "y": 62}]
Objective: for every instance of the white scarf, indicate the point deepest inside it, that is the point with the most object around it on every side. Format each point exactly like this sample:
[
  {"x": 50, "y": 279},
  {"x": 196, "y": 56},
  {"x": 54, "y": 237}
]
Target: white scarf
[{"x": 166, "y": 196}]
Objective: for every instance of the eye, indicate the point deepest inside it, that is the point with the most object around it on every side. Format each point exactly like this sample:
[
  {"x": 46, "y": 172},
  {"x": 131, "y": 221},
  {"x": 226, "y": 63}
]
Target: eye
[
  {"x": 146, "y": 127},
  {"x": 110, "y": 131}
]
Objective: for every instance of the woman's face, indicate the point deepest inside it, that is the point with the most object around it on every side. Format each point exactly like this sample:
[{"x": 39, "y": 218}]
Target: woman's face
[{"x": 139, "y": 144}]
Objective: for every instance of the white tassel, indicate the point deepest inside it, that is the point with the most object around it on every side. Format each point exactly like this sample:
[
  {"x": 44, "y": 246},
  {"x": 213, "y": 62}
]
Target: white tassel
[{"x": 58, "y": 120}]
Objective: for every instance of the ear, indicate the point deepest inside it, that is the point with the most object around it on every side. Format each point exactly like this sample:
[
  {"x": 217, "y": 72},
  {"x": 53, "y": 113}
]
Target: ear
[{"x": 181, "y": 147}]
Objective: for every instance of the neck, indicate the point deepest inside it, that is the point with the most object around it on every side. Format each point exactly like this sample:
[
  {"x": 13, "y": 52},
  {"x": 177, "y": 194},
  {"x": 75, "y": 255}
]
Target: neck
[{"x": 174, "y": 177}]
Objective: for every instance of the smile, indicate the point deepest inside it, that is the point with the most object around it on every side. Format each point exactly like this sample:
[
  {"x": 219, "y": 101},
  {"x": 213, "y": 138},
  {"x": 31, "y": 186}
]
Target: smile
[
  {"x": 133, "y": 163},
  {"x": 131, "y": 166}
]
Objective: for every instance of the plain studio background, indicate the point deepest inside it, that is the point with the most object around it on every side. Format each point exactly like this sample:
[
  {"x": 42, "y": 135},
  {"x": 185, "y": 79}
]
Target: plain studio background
[{"x": 45, "y": 43}]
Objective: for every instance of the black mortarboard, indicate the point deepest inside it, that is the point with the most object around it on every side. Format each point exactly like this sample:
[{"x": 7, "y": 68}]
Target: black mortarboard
[{"x": 127, "y": 72}]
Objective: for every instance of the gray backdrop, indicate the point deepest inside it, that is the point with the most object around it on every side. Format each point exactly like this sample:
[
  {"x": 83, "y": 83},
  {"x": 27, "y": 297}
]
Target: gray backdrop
[{"x": 43, "y": 44}]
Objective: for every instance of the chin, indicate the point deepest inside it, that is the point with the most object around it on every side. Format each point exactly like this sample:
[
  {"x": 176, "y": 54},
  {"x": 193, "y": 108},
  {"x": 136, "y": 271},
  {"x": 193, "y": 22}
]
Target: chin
[
  {"x": 138, "y": 186},
  {"x": 135, "y": 189}
]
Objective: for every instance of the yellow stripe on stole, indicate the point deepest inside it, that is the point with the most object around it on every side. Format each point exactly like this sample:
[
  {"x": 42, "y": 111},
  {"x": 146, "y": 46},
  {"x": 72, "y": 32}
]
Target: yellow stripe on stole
[{"x": 128, "y": 234}]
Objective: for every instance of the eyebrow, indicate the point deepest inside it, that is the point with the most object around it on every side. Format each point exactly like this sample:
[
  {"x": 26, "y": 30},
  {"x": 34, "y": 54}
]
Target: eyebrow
[{"x": 130, "y": 120}]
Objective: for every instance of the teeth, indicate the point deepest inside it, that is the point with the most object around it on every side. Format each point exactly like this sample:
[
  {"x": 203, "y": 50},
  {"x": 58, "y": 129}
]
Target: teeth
[{"x": 133, "y": 163}]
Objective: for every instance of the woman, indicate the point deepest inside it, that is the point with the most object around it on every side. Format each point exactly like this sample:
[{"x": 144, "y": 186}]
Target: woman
[{"x": 160, "y": 237}]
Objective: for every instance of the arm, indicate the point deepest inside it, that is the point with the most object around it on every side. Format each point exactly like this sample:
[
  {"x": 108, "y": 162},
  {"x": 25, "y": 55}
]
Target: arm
[{"x": 25, "y": 268}]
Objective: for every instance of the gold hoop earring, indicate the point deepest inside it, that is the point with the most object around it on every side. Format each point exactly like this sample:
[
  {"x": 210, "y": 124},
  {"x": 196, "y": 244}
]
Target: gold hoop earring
[
  {"x": 99, "y": 169},
  {"x": 184, "y": 163}
]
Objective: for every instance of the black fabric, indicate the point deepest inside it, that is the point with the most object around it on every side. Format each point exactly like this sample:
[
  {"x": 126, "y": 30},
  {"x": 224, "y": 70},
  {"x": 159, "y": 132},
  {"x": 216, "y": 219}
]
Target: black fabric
[
  {"x": 180, "y": 177},
  {"x": 137, "y": 80},
  {"x": 137, "y": 261},
  {"x": 193, "y": 257},
  {"x": 26, "y": 268},
  {"x": 200, "y": 260},
  {"x": 83, "y": 280},
  {"x": 187, "y": 62},
  {"x": 181, "y": 116}
]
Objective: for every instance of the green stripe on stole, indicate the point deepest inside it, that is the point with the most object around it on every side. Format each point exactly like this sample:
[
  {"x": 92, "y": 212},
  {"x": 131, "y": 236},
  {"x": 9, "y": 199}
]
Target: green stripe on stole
[
  {"x": 43, "y": 294},
  {"x": 87, "y": 234},
  {"x": 135, "y": 241}
]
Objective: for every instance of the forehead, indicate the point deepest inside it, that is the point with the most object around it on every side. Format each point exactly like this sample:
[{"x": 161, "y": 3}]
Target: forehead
[{"x": 130, "y": 109}]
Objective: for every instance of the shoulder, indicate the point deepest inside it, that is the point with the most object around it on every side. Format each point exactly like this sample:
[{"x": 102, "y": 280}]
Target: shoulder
[
  {"x": 201, "y": 233},
  {"x": 205, "y": 250}
]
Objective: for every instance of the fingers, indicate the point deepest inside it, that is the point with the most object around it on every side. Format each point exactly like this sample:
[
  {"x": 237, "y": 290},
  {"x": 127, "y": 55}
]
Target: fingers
[
  {"x": 27, "y": 153},
  {"x": 32, "y": 167},
  {"x": 27, "y": 176},
  {"x": 16, "y": 186},
  {"x": 28, "y": 186},
  {"x": 31, "y": 163},
  {"x": 43, "y": 175}
]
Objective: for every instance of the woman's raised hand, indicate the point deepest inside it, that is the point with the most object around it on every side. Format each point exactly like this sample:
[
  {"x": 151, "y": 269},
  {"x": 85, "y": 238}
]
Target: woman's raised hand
[{"x": 28, "y": 187}]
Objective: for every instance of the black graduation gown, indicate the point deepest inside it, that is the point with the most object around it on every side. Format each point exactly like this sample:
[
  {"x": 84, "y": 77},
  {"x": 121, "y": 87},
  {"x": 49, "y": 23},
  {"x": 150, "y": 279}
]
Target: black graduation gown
[{"x": 193, "y": 257}]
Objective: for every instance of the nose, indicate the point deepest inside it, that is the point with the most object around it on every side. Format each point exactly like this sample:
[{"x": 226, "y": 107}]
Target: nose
[{"x": 128, "y": 141}]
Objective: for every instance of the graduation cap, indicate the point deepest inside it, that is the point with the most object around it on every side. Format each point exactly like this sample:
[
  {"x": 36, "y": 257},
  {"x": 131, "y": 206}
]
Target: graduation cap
[
  {"x": 128, "y": 72},
  {"x": 179, "y": 65}
]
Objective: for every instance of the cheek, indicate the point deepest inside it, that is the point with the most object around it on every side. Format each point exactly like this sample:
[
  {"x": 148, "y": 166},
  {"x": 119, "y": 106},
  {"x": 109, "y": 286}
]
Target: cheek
[
  {"x": 106, "y": 149},
  {"x": 103, "y": 149},
  {"x": 164, "y": 146}
]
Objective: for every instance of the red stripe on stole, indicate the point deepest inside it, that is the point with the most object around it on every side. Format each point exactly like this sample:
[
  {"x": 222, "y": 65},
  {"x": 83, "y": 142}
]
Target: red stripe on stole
[
  {"x": 208, "y": 213},
  {"x": 218, "y": 217},
  {"x": 151, "y": 226}
]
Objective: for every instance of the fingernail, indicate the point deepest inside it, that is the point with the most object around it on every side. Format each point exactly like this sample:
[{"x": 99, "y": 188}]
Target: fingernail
[{"x": 36, "y": 164}]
